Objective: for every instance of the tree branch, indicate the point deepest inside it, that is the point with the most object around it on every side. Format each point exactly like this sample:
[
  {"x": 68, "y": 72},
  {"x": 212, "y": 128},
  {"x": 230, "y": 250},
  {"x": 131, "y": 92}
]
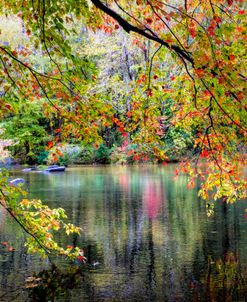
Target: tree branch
[{"x": 128, "y": 27}]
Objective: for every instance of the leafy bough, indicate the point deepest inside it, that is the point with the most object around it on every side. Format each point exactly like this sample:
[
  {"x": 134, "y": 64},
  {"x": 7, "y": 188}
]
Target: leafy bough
[{"x": 38, "y": 221}]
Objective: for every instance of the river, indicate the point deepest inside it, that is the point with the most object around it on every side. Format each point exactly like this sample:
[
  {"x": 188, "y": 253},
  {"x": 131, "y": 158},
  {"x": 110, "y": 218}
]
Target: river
[{"x": 146, "y": 238}]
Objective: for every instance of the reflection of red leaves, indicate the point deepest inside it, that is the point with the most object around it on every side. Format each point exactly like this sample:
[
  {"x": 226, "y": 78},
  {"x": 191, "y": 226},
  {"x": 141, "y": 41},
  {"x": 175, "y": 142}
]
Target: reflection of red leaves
[
  {"x": 245, "y": 215},
  {"x": 6, "y": 244},
  {"x": 190, "y": 185},
  {"x": 124, "y": 134},
  {"x": 164, "y": 163}
]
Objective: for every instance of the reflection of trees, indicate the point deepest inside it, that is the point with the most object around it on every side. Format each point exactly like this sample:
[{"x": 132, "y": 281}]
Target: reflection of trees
[
  {"x": 15, "y": 266},
  {"x": 223, "y": 277},
  {"x": 139, "y": 227},
  {"x": 223, "y": 280},
  {"x": 2, "y": 218},
  {"x": 151, "y": 237}
]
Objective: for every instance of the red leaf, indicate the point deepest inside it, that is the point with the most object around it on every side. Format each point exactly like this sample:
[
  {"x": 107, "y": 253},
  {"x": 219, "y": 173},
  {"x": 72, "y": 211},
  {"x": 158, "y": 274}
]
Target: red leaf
[
  {"x": 232, "y": 57},
  {"x": 50, "y": 144},
  {"x": 241, "y": 12},
  {"x": 204, "y": 153},
  {"x": 217, "y": 19},
  {"x": 81, "y": 258},
  {"x": 199, "y": 72},
  {"x": 192, "y": 32}
]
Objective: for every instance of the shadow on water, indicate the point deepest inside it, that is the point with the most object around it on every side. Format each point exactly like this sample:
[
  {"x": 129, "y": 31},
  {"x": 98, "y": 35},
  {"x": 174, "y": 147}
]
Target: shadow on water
[{"x": 145, "y": 237}]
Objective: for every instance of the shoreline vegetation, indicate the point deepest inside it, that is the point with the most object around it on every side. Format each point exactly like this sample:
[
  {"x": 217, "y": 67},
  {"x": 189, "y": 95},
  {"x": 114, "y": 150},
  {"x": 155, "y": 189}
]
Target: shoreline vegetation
[{"x": 123, "y": 153}]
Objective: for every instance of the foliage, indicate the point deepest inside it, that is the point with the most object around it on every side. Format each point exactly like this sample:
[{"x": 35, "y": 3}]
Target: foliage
[
  {"x": 48, "y": 285},
  {"x": 178, "y": 143},
  {"x": 205, "y": 40},
  {"x": 102, "y": 154},
  {"x": 38, "y": 221},
  {"x": 27, "y": 130},
  {"x": 86, "y": 155},
  {"x": 42, "y": 157}
]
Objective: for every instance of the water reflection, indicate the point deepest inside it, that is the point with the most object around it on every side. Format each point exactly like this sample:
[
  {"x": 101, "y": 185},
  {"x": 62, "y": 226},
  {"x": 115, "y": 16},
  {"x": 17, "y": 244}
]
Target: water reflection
[{"x": 145, "y": 237}]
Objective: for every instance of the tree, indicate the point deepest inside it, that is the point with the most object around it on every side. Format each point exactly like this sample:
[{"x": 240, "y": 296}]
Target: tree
[
  {"x": 206, "y": 40},
  {"x": 27, "y": 131}
]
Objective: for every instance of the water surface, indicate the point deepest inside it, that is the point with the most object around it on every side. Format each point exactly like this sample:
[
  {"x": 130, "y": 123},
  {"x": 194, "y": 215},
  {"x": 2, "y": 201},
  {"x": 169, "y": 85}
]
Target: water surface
[{"x": 146, "y": 238}]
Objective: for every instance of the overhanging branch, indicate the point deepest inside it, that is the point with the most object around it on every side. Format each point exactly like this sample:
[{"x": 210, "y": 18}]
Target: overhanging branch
[{"x": 128, "y": 27}]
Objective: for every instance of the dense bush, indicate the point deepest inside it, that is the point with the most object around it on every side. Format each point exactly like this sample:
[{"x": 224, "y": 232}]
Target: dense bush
[{"x": 102, "y": 154}]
